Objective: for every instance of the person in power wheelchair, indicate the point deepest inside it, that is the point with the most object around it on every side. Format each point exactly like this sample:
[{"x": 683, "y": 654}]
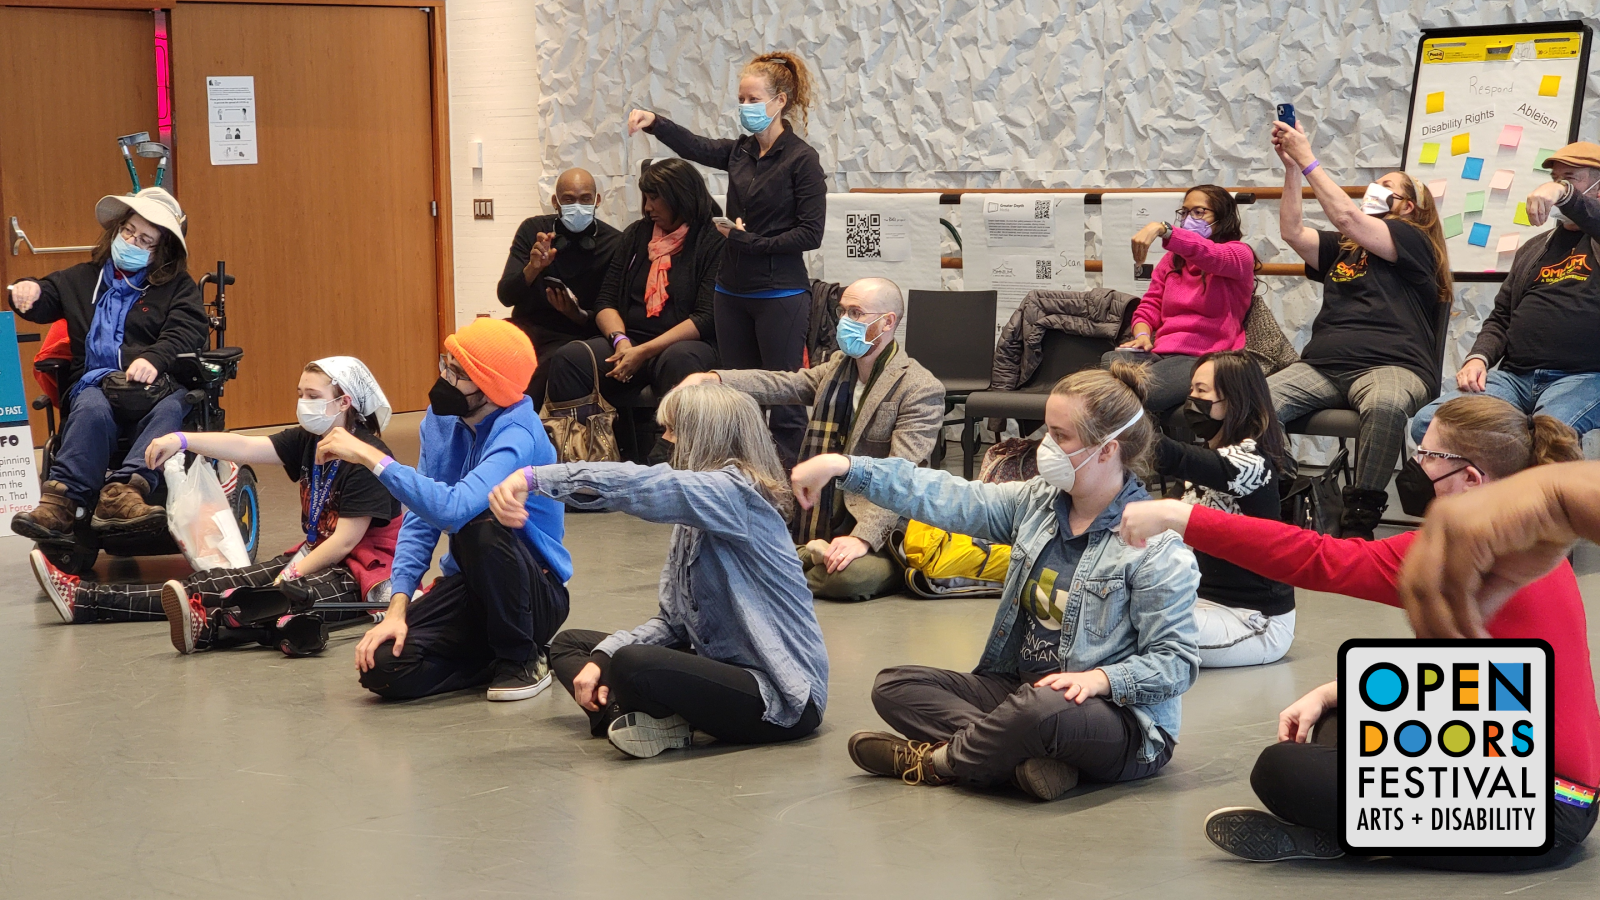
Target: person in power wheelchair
[{"x": 131, "y": 311}]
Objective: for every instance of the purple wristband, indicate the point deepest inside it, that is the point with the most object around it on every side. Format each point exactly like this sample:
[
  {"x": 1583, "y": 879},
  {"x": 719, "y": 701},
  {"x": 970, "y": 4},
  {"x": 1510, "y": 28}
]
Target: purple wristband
[
  {"x": 1307, "y": 169},
  {"x": 183, "y": 441},
  {"x": 527, "y": 476},
  {"x": 384, "y": 463},
  {"x": 617, "y": 338}
]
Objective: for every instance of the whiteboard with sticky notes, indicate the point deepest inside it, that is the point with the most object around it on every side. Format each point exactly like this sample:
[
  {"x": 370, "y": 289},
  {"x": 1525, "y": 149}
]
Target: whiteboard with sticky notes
[{"x": 1488, "y": 106}]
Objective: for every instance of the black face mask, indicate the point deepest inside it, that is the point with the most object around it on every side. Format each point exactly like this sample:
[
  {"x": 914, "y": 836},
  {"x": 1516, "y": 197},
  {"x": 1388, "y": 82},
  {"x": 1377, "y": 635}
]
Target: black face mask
[
  {"x": 1197, "y": 414},
  {"x": 1416, "y": 488},
  {"x": 448, "y": 400}
]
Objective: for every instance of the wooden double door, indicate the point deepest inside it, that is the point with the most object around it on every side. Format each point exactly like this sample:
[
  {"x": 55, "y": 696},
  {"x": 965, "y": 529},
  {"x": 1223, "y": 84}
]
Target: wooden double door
[{"x": 336, "y": 236}]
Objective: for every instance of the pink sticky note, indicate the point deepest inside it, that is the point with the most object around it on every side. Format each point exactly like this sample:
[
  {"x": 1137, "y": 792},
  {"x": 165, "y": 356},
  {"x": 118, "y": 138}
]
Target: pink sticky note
[
  {"x": 1511, "y": 135},
  {"x": 1437, "y": 189},
  {"x": 1501, "y": 180},
  {"x": 1508, "y": 244}
]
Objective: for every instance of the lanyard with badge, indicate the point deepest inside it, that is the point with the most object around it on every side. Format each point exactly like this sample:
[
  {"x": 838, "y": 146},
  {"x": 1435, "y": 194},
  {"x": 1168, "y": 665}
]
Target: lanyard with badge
[{"x": 321, "y": 488}]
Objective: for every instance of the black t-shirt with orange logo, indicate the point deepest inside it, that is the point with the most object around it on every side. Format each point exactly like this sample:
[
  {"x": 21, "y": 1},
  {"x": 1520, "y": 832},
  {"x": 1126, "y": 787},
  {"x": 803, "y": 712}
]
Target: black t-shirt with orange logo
[
  {"x": 1557, "y": 323},
  {"x": 1375, "y": 312}
]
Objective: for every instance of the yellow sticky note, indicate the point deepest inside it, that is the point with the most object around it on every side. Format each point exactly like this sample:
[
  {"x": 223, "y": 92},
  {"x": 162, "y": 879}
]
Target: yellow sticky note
[
  {"x": 1549, "y": 85},
  {"x": 1521, "y": 218},
  {"x": 1430, "y": 154},
  {"x": 1435, "y": 102},
  {"x": 1461, "y": 143}
]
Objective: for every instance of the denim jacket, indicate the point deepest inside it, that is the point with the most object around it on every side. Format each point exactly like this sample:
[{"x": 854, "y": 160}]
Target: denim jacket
[
  {"x": 732, "y": 588},
  {"x": 1129, "y": 612}
]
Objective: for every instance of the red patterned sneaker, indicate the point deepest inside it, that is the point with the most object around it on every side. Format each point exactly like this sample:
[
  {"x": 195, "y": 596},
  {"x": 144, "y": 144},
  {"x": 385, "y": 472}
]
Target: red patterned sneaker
[
  {"x": 186, "y": 616},
  {"x": 60, "y": 587}
]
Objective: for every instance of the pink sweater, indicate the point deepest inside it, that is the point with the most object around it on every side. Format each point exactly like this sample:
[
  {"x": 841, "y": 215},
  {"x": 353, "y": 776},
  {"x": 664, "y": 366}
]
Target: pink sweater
[{"x": 1200, "y": 309}]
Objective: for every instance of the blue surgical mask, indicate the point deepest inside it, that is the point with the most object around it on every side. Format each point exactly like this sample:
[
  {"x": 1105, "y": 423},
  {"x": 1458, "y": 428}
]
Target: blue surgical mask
[
  {"x": 753, "y": 117},
  {"x": 577, "y": 216},
  {"x": 127, "y": 257},
  {"x": 852, "y": 336},
  {"x": 1197, "y": 225}
]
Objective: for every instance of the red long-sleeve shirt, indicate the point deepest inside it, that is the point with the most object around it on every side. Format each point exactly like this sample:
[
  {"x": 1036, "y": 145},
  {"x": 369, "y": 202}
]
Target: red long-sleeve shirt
[{"x": 1550, "y": 609}]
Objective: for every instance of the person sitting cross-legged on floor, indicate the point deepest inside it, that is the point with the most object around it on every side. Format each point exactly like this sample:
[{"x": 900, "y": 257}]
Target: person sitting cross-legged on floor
[
  {"x": 503, "y": 591},
  {"x": 1094, "y": 642},
  {"x": 735, "y": 650},
  {"x": 1472, "y": 444},
  {"x": 868, "y": 399}
]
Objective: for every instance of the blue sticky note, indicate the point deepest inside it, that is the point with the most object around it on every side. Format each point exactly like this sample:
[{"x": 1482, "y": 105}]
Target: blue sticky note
[
  {"x": 1479, "y": 237},
  {"x": 1473, "y": 168}
]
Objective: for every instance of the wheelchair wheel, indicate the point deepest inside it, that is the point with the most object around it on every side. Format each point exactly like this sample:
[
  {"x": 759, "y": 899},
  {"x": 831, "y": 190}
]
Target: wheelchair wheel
[
  {"x": 72, "y": 558},
  {"x": 246, "y": 503}
]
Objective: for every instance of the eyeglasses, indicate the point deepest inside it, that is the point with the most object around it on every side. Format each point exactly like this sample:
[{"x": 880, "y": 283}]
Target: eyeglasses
[
  {"x": 142, "y": 241},
  {"x": 861, "y": 315},
  {"x": 1199, "y": 212},
  {"x": 449, "y": 371},
  {"x": 1422, "y": 454}
]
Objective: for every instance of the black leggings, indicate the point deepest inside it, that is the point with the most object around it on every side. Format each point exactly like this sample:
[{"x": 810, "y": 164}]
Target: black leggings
[
  {"x": 1299, "y": 783},
  {"x": 504, "y": 603},
  {"x": 768, "y": 333},
  {"x": 720, "y": 699}
]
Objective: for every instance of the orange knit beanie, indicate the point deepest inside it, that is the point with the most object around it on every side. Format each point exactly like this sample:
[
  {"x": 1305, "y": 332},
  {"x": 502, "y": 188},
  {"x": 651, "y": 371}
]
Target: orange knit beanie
[{"x": 497, "y": 356}]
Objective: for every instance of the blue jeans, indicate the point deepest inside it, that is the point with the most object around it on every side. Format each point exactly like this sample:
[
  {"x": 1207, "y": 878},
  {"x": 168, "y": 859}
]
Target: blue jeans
[
  {"x": 1574, "y": 399},
  {"x": 90, "y": 437}
]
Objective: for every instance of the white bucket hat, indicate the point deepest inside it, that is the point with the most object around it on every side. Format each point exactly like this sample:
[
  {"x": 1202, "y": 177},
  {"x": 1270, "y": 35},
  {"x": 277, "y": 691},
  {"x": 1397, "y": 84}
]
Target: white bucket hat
[{"x": 158, "y": 207}]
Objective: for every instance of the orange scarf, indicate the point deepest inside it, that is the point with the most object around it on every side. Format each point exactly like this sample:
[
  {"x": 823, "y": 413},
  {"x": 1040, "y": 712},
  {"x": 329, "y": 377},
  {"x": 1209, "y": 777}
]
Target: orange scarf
[{"x": 663, "y": 247}]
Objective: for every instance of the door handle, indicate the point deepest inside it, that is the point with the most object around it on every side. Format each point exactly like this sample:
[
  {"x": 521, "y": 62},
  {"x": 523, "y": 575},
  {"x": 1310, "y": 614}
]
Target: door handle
[{"x": 19, "y": 237}]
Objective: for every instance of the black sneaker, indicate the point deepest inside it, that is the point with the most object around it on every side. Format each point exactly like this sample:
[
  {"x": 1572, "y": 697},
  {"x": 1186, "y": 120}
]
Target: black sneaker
[
  {"x": 519, "y": 680},
  {"x": 643, "y": 736},
  {"x": 1260, "y": 836}
]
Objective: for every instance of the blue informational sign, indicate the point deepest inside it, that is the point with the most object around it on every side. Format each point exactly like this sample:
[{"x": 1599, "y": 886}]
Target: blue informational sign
[{"x": 13, "y": 399}]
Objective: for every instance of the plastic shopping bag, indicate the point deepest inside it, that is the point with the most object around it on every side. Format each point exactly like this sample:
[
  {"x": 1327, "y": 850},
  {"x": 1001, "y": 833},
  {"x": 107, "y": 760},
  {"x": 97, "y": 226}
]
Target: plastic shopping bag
[{"x": 200, "y": 518}]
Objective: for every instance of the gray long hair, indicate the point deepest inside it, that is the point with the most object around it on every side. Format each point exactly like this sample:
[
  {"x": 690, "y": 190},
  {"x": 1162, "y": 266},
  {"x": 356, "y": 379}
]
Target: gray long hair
[{"x": 716, "y": 426}]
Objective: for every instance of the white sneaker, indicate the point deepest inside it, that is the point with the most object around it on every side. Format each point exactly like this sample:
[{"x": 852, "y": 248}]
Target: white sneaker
[{"x": 642, "y": 736}]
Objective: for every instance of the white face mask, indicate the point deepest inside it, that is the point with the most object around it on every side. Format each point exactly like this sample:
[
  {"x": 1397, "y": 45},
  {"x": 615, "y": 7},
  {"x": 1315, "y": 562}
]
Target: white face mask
[
  {"x": 314, "y": 417},
  {"x": 1056, "y": 466},
  {"x": 1376, "y": 201}
]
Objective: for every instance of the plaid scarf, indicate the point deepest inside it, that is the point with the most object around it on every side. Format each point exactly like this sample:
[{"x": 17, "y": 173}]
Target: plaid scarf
[{"x": 829, "y": 429}]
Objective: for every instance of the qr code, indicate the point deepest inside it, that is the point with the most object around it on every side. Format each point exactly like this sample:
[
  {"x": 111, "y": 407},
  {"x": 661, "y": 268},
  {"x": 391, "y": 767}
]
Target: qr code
[
  {"x": 1041, "y": 209},
  {"x": 862, "y": 234},
  {"x": 1041, "y": 270}
]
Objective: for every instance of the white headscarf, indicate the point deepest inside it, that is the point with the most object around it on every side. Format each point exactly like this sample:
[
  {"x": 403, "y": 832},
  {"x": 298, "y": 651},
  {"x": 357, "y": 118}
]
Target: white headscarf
[{"x": 353, "y": 377}]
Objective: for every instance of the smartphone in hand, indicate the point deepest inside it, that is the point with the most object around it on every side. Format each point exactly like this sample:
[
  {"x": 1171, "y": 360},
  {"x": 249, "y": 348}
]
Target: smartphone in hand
[
  {"x": 1286, "y": 114},
  {"x": 1143, "y": 271},
  {"x": 724, "y": 221}
]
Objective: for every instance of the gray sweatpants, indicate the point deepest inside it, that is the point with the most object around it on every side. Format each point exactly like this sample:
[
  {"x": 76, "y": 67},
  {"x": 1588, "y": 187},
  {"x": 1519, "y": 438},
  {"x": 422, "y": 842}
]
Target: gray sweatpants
[
  {"x": 1385, "y": 396},
  {"x": 994, "y": 722}
]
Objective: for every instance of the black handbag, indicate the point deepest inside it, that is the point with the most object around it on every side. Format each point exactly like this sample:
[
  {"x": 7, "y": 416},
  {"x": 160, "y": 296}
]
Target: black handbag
[{"x": 130, "y": 400}]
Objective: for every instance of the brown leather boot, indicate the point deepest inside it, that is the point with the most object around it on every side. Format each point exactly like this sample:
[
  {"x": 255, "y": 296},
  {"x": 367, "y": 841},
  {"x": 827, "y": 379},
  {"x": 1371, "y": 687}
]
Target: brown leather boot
[
  {"x": 52, "y": 519},
  {"x": 122, "y": 505}
]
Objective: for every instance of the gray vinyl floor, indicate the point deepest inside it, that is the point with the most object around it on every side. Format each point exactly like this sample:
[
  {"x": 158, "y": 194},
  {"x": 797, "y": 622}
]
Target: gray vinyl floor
[{"x": 127, "y": 770}]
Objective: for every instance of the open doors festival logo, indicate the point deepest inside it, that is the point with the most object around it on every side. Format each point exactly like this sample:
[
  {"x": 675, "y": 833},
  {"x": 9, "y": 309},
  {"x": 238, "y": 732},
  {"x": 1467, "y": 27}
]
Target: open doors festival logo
[{"x": 1445, "y": 747}]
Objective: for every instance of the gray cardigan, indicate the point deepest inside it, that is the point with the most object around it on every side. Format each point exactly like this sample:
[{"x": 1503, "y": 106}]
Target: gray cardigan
[
  {"x": 900, "y": 417},
  {"x": 1491, "y": 343}
]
